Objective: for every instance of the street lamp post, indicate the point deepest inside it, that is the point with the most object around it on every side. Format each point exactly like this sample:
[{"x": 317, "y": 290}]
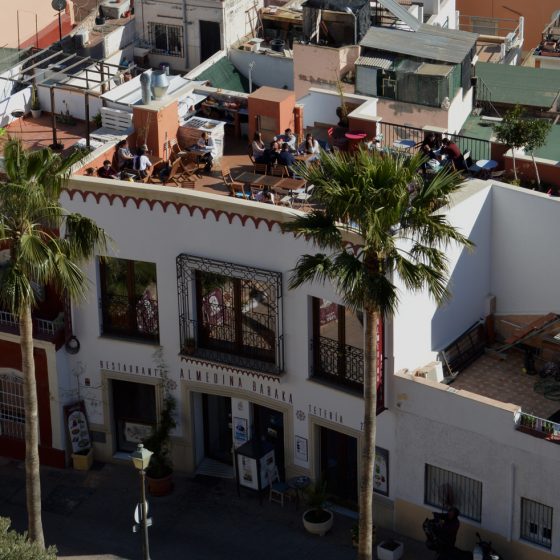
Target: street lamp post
[
  {"x": 251, "y": 66},
  {"x": 141, "y": 459},
  {"x": 349, "y": 11}
]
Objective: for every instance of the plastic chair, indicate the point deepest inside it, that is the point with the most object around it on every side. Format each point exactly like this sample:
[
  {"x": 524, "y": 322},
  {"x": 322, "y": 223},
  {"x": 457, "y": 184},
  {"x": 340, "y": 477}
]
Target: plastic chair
[{"x": 278, "y": 491}]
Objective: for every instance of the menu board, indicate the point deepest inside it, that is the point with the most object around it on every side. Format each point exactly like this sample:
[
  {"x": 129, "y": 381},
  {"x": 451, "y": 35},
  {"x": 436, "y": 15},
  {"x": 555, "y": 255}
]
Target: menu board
[{"x": 77, "y": 425}]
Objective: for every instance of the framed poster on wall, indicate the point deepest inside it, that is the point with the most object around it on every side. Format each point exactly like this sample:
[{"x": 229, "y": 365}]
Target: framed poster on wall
[
  {"x": 381, "y": 471},
  {"x": 240, "y": 430},
  {"x": 301, "y": 449}
]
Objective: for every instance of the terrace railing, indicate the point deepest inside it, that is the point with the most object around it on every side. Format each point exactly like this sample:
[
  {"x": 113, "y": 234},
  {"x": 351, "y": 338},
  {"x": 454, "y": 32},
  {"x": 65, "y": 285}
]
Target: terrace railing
[
  {"x": 537, "y": 427},
  {"x": 391, "y": 133},
  {"x": 43, "y": 329}
]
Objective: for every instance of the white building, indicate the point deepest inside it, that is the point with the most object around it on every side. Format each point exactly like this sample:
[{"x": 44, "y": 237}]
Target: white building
[{"x": 183, "y": 33}]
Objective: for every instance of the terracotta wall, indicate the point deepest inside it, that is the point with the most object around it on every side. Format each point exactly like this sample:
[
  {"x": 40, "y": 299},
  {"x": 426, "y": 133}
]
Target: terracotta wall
[
  {"x": 409, "y": 114},
  {"x": 280, "y": 108},
  {"x": 98, "y": 161},
  {"x": 537, "y": 14},
  {"x": 151, "y": 126},
  {"x": 316, "y": 66}
]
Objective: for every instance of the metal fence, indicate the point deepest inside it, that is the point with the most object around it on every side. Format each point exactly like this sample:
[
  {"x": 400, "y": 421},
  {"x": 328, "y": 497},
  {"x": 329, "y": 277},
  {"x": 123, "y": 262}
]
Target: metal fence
[
  {"x": 392, "y": 133},
  {"x": 444, "y": 489},
  {"x": 12, "y": 410}
]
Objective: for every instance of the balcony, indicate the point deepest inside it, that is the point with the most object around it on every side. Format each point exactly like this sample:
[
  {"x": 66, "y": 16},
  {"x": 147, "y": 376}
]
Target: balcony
[
  {"x": 537, "y": 427},
  {"x": 257, "y": 350},
  {"x": 43, "y": 329},
  {"x": 338, "y": 363}
]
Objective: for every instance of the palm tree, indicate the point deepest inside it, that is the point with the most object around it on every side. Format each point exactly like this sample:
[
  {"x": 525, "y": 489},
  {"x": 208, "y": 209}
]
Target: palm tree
[
  {"x": 386, "y": 202},
  {"x": 31, "y": 224}
]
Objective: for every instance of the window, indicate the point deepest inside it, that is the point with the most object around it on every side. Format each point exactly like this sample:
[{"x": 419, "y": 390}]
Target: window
[
  {"x": 230, "y": 313},
  {"x": 536, "y": 523},
  {"x": 129, "y": 300},
  {"x": 337, "y": 344},
  {"x": 166, "y": 39},
  {"x": 444, "y": 489},
  {"x": 12, "y": 410}
]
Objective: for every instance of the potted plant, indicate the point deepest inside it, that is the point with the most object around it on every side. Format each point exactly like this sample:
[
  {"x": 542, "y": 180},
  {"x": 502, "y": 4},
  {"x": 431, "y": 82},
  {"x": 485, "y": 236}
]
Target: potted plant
[
  {"x": 159, "y": 473},
  {"x": 35, "y": 103},
  {"x": 317, "y": 520}
]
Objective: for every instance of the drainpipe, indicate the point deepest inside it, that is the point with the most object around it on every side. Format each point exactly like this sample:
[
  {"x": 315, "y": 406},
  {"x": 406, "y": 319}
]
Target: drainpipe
[{"x": 185, "y": 24}]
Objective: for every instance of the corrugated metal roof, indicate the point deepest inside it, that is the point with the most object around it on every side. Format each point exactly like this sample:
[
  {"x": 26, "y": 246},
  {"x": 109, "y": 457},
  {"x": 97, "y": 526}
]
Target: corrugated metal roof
[
  {"x": 376, "y": 61},
  {"x": 402, "y": 13},
  {"x": 429, "y": 42},
  {"x": 223, "y": 74}
]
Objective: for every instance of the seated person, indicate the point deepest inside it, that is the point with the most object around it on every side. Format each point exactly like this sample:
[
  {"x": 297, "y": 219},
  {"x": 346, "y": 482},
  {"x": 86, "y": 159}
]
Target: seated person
[
  {"x": 428, "y": 146},
  {"x": 142, "y": 164},
  {"x": 453, "y": 153},
  {"x": 206, "y": 142},
  {"x": 310, "y": 146},
  {"x": 289, "y": 138},
  {"x": 447, "y": 529},
  {"x": 258, "y": 147},
  {"x": 107, "y": 172},
  {"x": 271, "y": 154},
  {"x": 265, "y": 196},
  {"x": 286, "y": 158},
  {"x": 125, "y": 158}
]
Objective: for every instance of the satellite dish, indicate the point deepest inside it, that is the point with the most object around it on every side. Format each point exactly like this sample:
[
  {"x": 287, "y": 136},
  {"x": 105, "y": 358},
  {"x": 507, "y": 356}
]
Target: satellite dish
[{"x": 58, "y": 5}]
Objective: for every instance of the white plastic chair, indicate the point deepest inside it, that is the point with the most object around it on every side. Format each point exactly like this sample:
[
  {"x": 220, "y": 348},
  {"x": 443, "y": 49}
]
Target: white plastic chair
[{"x": 277, "y": 490}]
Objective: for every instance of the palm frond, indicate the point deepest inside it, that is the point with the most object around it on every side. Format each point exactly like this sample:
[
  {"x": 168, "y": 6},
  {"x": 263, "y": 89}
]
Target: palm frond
[
  {"x": 311, "y": 268},
  {"x": 317, "y": 225}
]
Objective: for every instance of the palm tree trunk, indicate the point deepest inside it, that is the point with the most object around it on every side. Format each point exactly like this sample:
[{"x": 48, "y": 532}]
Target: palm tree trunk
[
  {"x": 32, "y": 474},
  {"x": 514, "y": 167},
  {"x": 365, "y": 544}
]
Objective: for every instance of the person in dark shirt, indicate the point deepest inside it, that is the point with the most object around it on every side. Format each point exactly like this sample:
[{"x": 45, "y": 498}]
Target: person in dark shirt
[
  {"x": 453, "y": 153},
  {"x": 448, "y": 529},
  {"x": 107, "y": 172},
  {"x": 286, "y": 158},
  {"x": 271, "y": 154}
]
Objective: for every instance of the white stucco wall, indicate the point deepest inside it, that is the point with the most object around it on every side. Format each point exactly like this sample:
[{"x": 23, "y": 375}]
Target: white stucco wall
[
  {"x": 272, "y": 71},
  {"x": 459, "y": 111},
  {"x": 420, "y": 327},
  {"x": 524, "y": 272},
  {"x": 145, "y": 234},
  {"x": 459, "y": 432}
]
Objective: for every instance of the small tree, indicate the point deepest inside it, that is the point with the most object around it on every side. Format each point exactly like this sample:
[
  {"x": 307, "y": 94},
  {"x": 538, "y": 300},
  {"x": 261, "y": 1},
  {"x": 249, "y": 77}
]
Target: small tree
[
  {"x": 536, "y": 133},
  {"x": 512, "y": 132},
  {"x": 14, "y": 546}
]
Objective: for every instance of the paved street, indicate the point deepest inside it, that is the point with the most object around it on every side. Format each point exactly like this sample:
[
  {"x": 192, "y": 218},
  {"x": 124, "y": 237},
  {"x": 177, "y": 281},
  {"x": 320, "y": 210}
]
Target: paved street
[{"x": 88, "y": 515}]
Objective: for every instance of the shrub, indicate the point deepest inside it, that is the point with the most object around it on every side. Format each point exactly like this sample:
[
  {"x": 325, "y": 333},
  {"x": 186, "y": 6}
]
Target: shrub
[{"x": 14, "y": 546}]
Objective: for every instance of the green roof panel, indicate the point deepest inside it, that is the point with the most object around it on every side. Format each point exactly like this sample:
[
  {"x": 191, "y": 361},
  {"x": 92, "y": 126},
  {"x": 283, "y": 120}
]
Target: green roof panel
[
  {"x": 523, "y": 85},
  {"x": 223, "y": 74}
]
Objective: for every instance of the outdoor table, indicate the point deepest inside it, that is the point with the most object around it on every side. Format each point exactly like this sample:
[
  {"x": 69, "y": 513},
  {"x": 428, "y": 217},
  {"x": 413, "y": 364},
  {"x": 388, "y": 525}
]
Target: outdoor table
[
  {"x": 404, "y": 144},
  {"x": 487, "y": 164},
  {"x": 299, "y": 484},
  {"x": 257, "y": 179},
  {"x": 354, "y": 138}
]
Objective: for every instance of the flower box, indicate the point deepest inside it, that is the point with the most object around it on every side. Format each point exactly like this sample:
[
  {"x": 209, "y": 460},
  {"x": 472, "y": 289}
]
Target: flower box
[
  {"x": 390, "y": 550},
  {"x": 82, "y": 462}
]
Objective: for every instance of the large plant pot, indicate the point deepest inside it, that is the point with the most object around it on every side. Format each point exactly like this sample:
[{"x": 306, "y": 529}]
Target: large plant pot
[
  {"x": 82, "y": 462},
  {"x": 160, "y": 486},
  {"x": 390, "y": 550},
  {"x": 318, "y": 526},
  {"x": 36, "y": 113}
]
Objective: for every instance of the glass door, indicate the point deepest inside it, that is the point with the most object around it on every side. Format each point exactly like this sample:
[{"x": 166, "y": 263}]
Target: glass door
[{"x": 218, "y": 437}]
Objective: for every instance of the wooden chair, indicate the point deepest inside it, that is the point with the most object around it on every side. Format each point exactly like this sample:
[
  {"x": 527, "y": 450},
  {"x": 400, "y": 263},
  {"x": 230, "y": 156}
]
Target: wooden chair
[
  {"x": 279, "y": 171},
  {"x": 235, "y": 188},
  {"x": 172, "y": 177},
  {"x": 260, "y": 168},
  {"x": 193, "y": 158},
  {"x": 278, "y": 491},
  {"x": 188, "y": 184}
]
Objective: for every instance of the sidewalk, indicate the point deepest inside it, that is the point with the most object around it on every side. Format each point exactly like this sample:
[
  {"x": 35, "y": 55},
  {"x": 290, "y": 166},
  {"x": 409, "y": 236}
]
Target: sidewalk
[{"x": 89, "y": 515}]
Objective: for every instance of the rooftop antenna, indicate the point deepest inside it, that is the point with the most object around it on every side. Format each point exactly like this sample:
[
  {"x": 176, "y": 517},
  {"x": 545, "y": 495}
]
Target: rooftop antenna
[{"x": 59, "y": 6}]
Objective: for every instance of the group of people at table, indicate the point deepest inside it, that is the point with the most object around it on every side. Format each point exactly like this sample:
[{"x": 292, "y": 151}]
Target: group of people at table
[
  {"x": 284, "y": 150},
  {"x": 139, "y": 165}
]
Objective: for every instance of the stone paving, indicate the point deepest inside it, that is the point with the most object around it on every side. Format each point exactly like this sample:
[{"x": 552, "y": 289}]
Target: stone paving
[{"x": 88, "y": 515}]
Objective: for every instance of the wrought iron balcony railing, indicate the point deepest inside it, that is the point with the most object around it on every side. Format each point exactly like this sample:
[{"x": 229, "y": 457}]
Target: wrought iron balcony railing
[
  {"x": 338, "y": 363},
  {"x": 134, "y": 319},
  {"x": 537, "y": 427},
  {"x": 252, "y": 345}
]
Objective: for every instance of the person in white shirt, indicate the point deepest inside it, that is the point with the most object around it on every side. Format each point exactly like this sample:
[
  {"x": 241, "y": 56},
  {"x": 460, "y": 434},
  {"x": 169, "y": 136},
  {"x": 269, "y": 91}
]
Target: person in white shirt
[
  {"x": 205, "y": 142},
  {"x": 287, "y": 138},
  {"x": 142, "y": 163},
  {"x": 258, "y": 147},
  {"x": 310, "y": 146}
]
